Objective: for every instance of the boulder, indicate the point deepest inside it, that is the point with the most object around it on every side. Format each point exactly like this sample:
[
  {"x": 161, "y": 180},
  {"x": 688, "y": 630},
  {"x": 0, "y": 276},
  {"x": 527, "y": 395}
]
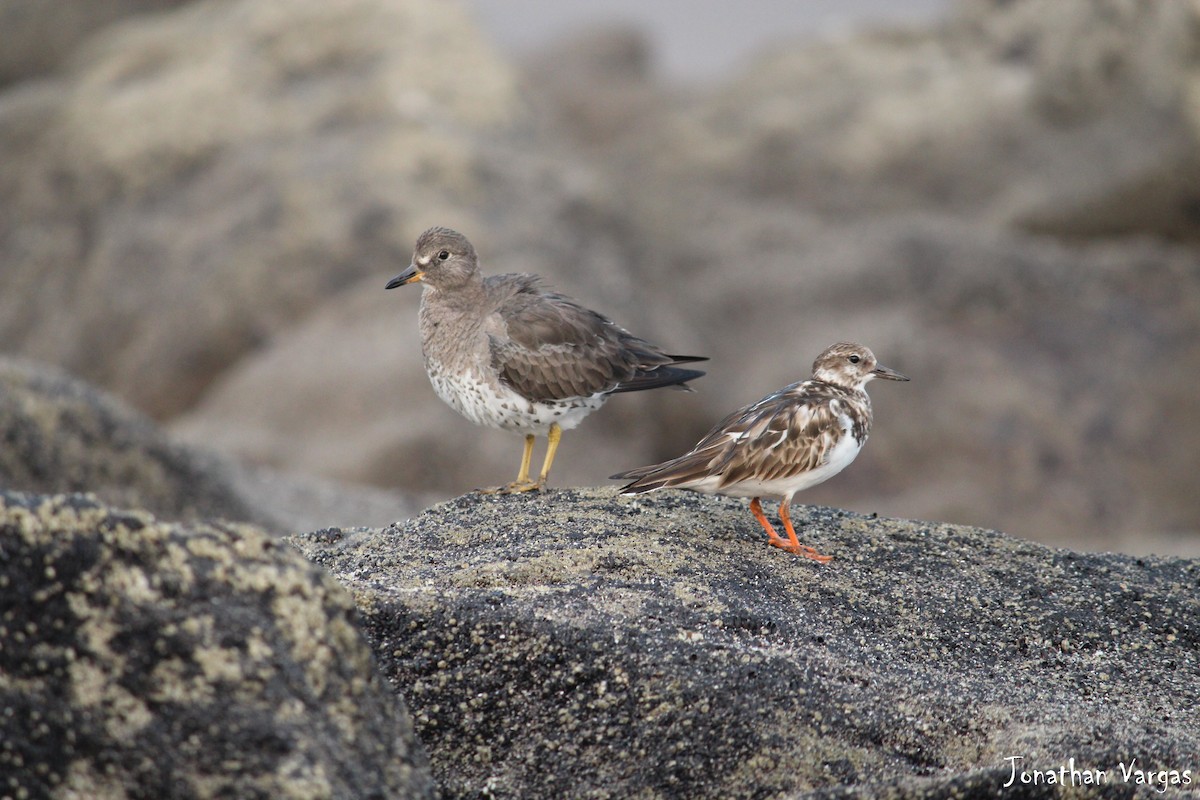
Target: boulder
[
  {"x": 199, "y": 179},
  {"x": 579, "y": 644},
  {"x": 1064, "y": 116},
  {"x": 151, "y": 659},
  {"x": 36, "y": 36},
  {"x": 61, "y": 435}
]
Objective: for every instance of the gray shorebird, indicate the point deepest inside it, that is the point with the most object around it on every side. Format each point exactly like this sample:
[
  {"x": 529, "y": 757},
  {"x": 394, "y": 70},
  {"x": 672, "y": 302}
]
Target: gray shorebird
[
  {"x": 799, "y": 436},
  {"x": 504, "y": 352}
]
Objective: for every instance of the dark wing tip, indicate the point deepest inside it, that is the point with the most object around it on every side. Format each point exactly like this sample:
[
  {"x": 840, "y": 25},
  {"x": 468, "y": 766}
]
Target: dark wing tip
[
  {"x": 658, "y": 377},
  {"x": 635, "y": 477},
  {"x": 637, "y": 487}
]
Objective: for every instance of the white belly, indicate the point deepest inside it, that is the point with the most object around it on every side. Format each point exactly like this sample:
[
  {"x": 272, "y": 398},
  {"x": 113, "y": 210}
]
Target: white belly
[
  {"x": 501, "y": 407},
  {"x": 840, "y": 457}
]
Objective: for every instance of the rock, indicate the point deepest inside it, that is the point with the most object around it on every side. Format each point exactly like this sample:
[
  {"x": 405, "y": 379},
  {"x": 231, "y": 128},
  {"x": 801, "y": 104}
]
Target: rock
[
  {"x": 597, "y": 87},
  {"x": 37, "y": 35},
  {"x": 147, "y": 659},
  {"x": 1073, "y": 117},
  {"x": 213, "y": 173},
  {"x": 61, "y": 435},
  {"x": 577, "y": 644}
]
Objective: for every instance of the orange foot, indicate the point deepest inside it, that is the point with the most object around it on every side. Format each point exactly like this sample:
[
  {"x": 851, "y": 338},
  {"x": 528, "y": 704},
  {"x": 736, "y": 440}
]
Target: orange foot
[
  {"x": 799, "y": 550},
  {"x": 792, "y": 543}
]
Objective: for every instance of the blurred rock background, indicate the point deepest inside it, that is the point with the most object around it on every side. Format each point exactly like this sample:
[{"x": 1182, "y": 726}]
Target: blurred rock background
[{"x": 201, "y": 201}]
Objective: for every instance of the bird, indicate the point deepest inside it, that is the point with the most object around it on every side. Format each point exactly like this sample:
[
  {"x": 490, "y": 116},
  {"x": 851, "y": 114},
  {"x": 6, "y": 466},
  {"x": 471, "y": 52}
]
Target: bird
[
  {"x": 505, "y": 352},
  {"x": 792, "y": 439}
]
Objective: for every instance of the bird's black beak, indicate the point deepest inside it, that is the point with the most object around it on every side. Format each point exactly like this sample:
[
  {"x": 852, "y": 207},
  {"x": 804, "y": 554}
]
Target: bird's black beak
[
  {"x": 410, "y": 275},
  {"x": 881, "y": 371}
]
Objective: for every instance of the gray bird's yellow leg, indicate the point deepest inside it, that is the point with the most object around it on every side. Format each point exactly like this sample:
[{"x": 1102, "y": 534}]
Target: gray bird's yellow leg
[
  {"x": 553, "y": 437},
  {"x": 522, "y": 483},
  {"x": 526, "y": 458}
]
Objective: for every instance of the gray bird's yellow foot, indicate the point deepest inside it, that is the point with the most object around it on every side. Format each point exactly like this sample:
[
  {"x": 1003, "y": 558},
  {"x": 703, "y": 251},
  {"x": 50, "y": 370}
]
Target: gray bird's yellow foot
[{"x": 516, "y": 487}]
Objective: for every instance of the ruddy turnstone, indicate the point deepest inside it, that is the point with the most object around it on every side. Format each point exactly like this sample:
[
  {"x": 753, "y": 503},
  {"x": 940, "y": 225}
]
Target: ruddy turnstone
[
  {"x": 799, "y": 436},
  {"x": 504, "y": 352}
]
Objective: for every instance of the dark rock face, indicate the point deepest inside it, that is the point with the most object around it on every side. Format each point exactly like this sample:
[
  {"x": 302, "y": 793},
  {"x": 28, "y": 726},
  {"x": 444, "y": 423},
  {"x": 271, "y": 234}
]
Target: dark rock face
[
  {"x": 37, "y": 35},
  {"x": 61, "y": 435},
  {"x": 577, "y": 644},
  {"x": 147, "y": 660}
]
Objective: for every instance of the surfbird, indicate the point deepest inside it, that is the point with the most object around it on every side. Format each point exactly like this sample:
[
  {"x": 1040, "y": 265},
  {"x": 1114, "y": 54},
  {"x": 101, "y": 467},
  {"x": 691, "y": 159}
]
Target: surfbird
[
  {"x": 799, "y": 436},
  {"x": 506, "y": 353}
]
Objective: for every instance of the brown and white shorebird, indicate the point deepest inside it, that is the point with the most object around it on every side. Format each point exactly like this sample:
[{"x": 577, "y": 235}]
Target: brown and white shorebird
[
  {"x": 799, "y": 436},
  {"x": 505, "y": 353}
]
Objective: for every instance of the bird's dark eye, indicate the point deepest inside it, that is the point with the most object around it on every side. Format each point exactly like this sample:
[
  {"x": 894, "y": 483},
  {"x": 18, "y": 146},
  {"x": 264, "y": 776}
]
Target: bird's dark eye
[
  {"x": 442, "y": 256},
  {"x": 854, "y": 359}
]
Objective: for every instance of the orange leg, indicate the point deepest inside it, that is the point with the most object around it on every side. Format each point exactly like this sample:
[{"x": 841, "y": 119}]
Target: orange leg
[
  {"x": 772, "y": 537},
  {"x": 794, "y": 546}
]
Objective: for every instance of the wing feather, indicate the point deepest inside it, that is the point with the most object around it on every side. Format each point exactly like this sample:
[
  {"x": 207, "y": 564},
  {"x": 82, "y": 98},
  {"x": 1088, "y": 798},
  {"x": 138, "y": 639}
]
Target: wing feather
[
  {"x": 548, "y": 347},
  {"x": 780, "y": 436}
]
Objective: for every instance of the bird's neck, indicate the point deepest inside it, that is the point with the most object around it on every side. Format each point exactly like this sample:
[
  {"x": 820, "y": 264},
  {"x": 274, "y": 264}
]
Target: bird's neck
[{"x": 468, "y": 295}]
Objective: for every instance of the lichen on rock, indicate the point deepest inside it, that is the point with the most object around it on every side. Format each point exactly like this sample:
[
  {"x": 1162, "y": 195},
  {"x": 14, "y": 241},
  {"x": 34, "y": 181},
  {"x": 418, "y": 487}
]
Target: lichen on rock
[
  {"x": 147, "y": 659},
  {"x": 579, "y": 644}
]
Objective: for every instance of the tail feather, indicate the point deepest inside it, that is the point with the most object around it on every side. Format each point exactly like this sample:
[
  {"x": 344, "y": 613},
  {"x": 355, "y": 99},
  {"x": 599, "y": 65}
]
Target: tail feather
[
  {"x": 636, "y": 477},
  {"x": 680, "y": 472},
  {"x": 686, "y": 359},
  {"x": 658, "y": 377}
]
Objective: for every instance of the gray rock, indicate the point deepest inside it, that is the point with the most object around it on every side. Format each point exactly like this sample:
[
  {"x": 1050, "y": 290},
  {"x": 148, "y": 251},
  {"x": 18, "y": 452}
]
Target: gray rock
[
  {"x": 1064, "y": 116},
  {"x": 37, "y": 35},
  {"x": 146, "y": 659},
  {"x": 596, "y": 87},
  {"x": 212, "y": 173},
  {"x": 62, "y": 435},
  {"x": 576, "y": 644}
]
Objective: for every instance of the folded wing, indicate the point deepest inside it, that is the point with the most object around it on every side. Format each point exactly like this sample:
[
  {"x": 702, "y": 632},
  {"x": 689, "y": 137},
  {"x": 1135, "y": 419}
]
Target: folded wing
[{"x": 548, "y": 347}]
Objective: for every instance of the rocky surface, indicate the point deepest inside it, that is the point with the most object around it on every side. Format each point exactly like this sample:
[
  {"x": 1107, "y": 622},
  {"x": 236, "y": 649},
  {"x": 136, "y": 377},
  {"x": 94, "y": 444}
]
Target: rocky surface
[
  {"x": 580, "y": 644},
  {"x": 36, "y": 36},
  {"x": 147, "y": 659},
  {"x": 1075, "y": 117},
  {"x": 203, "y": 203},
  {"x": 62, "y": 435},
  {"x": 196, "y": 180}
]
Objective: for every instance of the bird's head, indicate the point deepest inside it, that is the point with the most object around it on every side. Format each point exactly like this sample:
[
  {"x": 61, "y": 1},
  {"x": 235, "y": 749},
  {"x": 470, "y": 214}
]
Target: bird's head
[
  {"x": 442, "y": 259},
  {"x": 851, "y": 366}
]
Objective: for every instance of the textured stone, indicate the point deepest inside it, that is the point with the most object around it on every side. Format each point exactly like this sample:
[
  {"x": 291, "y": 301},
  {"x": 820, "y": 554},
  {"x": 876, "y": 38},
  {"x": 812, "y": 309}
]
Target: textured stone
[
  {"x": 1066, "y": 116},
  {"x": 576, "y": 644},
  {"x": 61, "y": 435},
  {"x": 37, "y": 35},
  {"x": 200, "y": 178},
  {"x": 142, "y": 659}
]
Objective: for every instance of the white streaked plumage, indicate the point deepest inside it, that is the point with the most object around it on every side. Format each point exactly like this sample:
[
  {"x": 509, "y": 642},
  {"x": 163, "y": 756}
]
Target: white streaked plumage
[{"x": 795, "y": 438}]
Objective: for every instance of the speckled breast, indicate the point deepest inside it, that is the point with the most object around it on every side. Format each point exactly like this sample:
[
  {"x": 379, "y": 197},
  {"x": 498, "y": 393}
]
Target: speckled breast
[{"x": 498, "y": 406}]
